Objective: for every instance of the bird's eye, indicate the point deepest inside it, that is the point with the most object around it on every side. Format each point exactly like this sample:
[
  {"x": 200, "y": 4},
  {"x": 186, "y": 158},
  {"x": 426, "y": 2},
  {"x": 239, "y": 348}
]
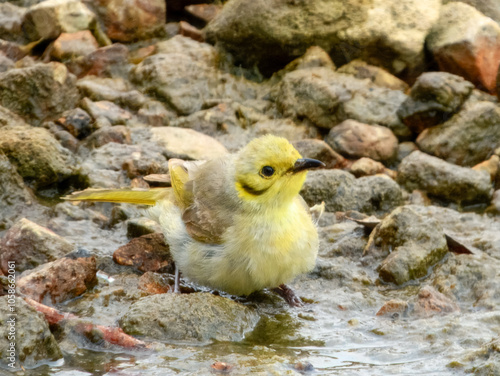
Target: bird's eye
[{"x": 267, "y": 171}]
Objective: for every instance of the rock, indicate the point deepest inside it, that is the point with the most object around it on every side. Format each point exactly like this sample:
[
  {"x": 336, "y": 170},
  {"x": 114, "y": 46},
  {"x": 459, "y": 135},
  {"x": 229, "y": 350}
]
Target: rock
[
  {"x": 60, "y": 280},
  {"x": 146, "y": 253},
  {"x": 197, "y": 317},
  {"x": 154, "y": 283},
  {"x": 405, "y": 149},
  {"x": 467, "y": 138},
  {"x": 110, "y": 61},
  {"x": 314, "y": 57},
  {"x": 109, "y": 110},
  {"x": 491, "y": 166},
  {"x": 443, "y": 179},
  {"x": 341, "y": 191},
  {"x": 465, "y": 42},
  {"x": 14, "y": 196},
  {"x": 48, "y": 19},
  {"x": 70, "y": 46},
  {"x": 34, "y": 343},
  {"x": 31, "y": 245},
  {"x": 190, "y": 31},
  {"x": 393, "y": 307},
  {"x": 327, "y": 98},
  {"x": 433, "y": 99},
  {"x": 490, "y": 8},
  {"x": 356, "y": 140},
  {"x": 77, "y": 122},
  {"x": 132, "y": 20},
  {"x": 179, "y": 44},
  {"x": 320, "y": 150},
  {"x": 431, "y": 302},
  {"x": 366, "y": 167},
  {"x": 379, "y": 76},
  {"x": 205, "y": 12},
  {"x": 186, "y": 84},
  {"x": 5, "y": 63},
  {"x": 155, "y": 114},
  {"x": 116, "y": 90},
  {"x": 37, "y": 155},
  {"x": 410, "y": 243},
  {"x": 187, "y": 144},
  {"x": 137, "y": 227},
  {"x": 11, "y": 18},
  {"x": 38, "y": 92},
  {"x": 272, "y": 33},
  {"x": 119, "y": 134}
]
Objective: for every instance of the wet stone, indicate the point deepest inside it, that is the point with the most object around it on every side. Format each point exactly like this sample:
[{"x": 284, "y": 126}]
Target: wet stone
[
  {"x": 198, "y": 317},
  {"x": 392, "y": 307},
  {"x": 431, "y": 302},
  {"x": 60, "y": 280},
  {"x": 154, "y": 283},
  {"x": 146, "y": 253},
  {"x": 34, "y": 343},
  {"x": 444, "y": 180},
  {"x": 31, "y": 245}
]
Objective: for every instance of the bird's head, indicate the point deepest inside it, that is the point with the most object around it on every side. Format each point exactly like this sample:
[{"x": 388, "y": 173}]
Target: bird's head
[{"x": 270, "y": 171}]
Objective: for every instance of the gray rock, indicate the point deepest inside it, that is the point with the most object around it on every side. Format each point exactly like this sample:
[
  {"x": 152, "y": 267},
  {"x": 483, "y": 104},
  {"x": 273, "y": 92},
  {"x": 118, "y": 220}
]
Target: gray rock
[
  {"x": 77, "y": 122},
  {"x": 320, "y": 150},
  {"x": 52, "y": 17},
  {"x": 405, "y": 149},
  {"x": 445, "y": 180},
  {"x": 31, "y": 245},
  {"x": 272, "y": 33},
  {"x": 433, "y": 99},
  {"x": 341, "y": 191},
  {"x": 38, "y": 92},
  {"x": 356, "y": 140},
  {"x": 410, "y": 243},
  {"x": 327, "y": 98},
  {"x": 196, "y": 51},
  {"x": 466, "y": 42},
  {"x": 34, "y": 343},
  {"x": 490, "y": 8},
  {"x": 468, "y": 138},
  {"x": 11, "y": 18},
  {"x": 115, "y": 114},
  {"x": 189, "y": 317},
  {"x": 119, "y": 134}
]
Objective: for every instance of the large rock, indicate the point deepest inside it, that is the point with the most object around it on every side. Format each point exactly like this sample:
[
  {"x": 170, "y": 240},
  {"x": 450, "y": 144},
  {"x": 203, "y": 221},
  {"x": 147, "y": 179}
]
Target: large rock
[
  {"x": 433, "y": 99},
  {"x": 465, "y": 42},
  {"x": 60, "y": 280},
  {"x": 468, "y": 138},
  {"x": 11, "y": 18},
  {"x": 128, "y": 21},
  {"x": 189, "y": 317},
  {"x": 445, "y": 180},
  {"x": 37, "y": 155},
  {"x": 31, "y": 245},
  {"x": 341, "y": 191},
  {"x": 490, "y": 8},
  {"x": 327, "y": 98},
  {"x": 34, "y": 343},
  {"x": 186, "y": 84},
  {"x": 410, "y": 243},
  {"x": 272, "y": 33},
  {"x": 356, "y": 140},
  {"x": 38, "y": 92},
  {"x": 50, "y": 18}
]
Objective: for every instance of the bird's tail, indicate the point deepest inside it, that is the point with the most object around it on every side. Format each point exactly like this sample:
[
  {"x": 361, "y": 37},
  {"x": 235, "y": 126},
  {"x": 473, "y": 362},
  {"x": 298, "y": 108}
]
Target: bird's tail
[{"x": 130, "y": 196}]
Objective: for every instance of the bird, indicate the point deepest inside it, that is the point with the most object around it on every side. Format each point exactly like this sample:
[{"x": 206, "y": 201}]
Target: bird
[{"x": 236, "y": 223}]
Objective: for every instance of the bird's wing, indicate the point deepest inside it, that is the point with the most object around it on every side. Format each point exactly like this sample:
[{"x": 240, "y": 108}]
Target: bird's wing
[
  {"x": 130, "y": 196},
  {"x": 206, "y": 195}
]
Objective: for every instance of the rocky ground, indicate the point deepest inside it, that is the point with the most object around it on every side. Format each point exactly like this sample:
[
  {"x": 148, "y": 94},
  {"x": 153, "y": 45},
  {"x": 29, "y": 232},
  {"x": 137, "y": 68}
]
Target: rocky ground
[{"x": 399, "y": 98}]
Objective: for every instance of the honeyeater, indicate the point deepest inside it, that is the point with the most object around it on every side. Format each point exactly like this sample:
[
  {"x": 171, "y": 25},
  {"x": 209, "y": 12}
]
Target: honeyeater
[{"x": 236, "y": 223}]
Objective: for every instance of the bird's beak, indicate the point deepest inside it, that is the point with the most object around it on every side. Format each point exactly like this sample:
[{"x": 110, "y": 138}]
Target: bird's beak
[{"x": 306, "y": 164}]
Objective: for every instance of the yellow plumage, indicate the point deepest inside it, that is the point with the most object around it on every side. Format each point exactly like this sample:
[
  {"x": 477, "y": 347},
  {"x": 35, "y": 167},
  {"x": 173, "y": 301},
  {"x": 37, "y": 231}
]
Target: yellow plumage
[{"x": 236, "y": 223}]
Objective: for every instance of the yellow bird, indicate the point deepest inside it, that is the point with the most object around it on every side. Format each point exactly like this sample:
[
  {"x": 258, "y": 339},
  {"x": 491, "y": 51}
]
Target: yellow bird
[{"x": 236, "y": 223}]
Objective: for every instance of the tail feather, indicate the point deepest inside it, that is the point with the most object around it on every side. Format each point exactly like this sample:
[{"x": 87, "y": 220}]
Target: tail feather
[{"x": 130, "y": 196}]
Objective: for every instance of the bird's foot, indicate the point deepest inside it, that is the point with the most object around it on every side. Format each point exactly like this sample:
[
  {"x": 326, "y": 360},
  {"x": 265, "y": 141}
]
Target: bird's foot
[
  {"x": 177, "y": 281},
  {"x": 289, "y": 295}
]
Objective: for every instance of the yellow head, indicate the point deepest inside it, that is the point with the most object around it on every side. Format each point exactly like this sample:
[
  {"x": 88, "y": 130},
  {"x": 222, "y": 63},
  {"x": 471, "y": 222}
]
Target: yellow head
[{"x": 270, "y": 171}]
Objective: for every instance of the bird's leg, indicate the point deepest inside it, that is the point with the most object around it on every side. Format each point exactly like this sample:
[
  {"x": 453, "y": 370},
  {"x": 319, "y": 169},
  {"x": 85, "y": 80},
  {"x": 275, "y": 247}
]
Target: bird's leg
[
  {"x": 177, "y": 281},
  {"x": 289, "y": 295}
]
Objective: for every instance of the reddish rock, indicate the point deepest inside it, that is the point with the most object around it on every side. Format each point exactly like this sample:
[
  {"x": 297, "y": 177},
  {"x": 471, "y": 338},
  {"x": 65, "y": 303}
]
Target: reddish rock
[
  {"x": 106, "y": 61},
  {"x": 140, "y": 54},
  {"x": 431, "y": 302},
  {"x": 60, "y": 280},
  {"x": 188, "y": 30},
  {"x": 31, "y": 245},
  {"x": 465, "y": 42},
  {"x": 147, "y": 253},
  {"x": 128, "y": 21},
  {"x": 154, "y": 283},
  {"x": 356, "y": 140},
  {"x": 68, "y": 46},
  {"x": 205, "y": 12},
  {"x": 393, "y": 306},
  {"x": 320, "y": 150}
]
